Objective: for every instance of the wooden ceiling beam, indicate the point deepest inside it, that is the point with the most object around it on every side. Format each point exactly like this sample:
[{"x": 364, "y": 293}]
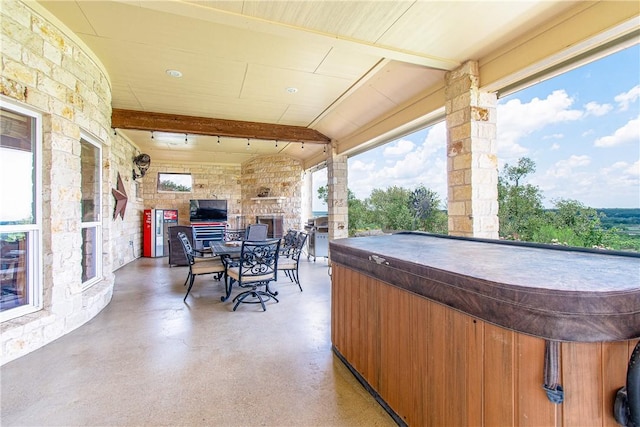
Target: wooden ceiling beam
[{"x": 160, "y": 122}]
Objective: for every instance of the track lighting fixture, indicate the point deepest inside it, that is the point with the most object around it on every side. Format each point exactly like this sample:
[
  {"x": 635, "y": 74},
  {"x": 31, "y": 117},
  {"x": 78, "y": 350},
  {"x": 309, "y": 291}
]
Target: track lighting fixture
[
  {"x": 302, "y": 146},
  {"x": 185, "y": 139},
  {"x": 151, "y": 134},
  {"x": 218, "y": 139}
]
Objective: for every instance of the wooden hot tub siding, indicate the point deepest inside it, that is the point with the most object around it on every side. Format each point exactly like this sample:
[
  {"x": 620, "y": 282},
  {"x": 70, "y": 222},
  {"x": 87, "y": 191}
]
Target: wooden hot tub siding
[{"x": 435, "y": 366}]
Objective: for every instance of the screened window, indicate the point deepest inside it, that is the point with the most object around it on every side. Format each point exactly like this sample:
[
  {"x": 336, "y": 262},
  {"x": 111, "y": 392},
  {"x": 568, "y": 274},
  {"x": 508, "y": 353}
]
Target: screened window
[
  {"x": 91, "y": 208},
  {"x": 20, "y": 241}
]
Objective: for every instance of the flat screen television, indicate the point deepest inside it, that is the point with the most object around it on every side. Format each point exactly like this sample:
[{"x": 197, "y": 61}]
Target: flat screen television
[{"x": 208, "y": 210}]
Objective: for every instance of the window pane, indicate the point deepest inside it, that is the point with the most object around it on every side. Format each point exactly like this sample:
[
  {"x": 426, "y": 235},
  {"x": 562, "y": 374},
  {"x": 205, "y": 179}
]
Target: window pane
[
  {"x": 89, "y": 251},
  {"x": 174, "y": 182},
  {"x": 13, "y": 270},
  {"x": 16, "y": 168},
  {"x": 90, "y": 160}
]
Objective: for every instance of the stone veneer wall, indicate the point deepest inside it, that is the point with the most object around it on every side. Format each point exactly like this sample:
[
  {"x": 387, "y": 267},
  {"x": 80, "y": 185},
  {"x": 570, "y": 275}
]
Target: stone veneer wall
[
  {"x": 283, "y": 175},
  {"x": 210, "y": 181},
  {"x": 125, "y": 239},
  {"x": 44, "y": 67}
]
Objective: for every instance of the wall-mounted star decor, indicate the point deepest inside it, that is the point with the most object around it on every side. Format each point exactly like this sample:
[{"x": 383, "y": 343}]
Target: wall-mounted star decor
[{"x": 121, "y": 199}]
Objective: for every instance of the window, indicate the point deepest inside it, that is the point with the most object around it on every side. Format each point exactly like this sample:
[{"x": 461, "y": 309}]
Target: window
[
  {"x": 180, "y": 182},
  {"x": 20, "y": 229},
  {"x": 90, "y": 157}
]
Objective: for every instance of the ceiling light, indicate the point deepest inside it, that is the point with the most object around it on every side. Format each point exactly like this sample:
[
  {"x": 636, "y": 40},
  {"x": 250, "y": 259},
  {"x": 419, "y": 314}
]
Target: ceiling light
[
  {"x": 174, "y": 73},
  {"x": 292, "y": 89}
]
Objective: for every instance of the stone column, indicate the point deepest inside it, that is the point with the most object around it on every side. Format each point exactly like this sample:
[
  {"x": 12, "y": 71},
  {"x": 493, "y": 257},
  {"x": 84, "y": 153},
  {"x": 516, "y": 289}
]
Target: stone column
[
  {"x": 472, "y": 164},
  {"x": 338, "y": 196},
  {"x": 307, "y": 198}
]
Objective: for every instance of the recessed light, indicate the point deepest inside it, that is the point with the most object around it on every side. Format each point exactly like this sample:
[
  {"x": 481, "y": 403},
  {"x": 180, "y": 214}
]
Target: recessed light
[
  {"x": 174, "y": 73},
  {"x": 292, "y": 89}
]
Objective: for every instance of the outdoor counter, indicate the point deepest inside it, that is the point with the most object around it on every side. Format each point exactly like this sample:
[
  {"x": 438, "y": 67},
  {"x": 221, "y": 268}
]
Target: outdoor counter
[{"x": 452, "y": 331}]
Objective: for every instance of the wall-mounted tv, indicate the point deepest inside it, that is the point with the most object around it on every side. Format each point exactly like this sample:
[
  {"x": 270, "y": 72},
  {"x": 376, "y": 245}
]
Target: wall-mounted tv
[{"x": 208, "y": 210}]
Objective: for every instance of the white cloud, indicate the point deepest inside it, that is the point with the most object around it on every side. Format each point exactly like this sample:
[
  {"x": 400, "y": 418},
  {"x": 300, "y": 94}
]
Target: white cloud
[
  {"x": 564, "y": 168},
  {"x": 403, "y": 146},
  {"x": 554, "y": 136},
  {"x": 626, "y": 98},
  {"x": 555, "y": 147},
  {"x": 358, "y": 165},
  {"x": 425, "y": 165},
  {"x": 634, "y": 169},
  {"x": 588, "y": 132},
  {"x": 628, "y": 133},
  {"x": 594, "y": 109},
  {"x": 517, "y": 119}
]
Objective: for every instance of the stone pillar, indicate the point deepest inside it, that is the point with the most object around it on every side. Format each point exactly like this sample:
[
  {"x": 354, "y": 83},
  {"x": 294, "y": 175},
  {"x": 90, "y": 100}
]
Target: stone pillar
[
  {"x": 472, "y": 164},
  {"x": 337, "y": 202},
  {"x": 307, "y": 198}
]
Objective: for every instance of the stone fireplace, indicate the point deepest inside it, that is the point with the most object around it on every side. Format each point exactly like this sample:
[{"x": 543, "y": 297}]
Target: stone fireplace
[{"x": 275, "y": 224}]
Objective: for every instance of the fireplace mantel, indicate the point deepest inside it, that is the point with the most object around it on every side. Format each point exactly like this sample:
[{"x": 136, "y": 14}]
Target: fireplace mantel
[{"x": 268, "y": 199}]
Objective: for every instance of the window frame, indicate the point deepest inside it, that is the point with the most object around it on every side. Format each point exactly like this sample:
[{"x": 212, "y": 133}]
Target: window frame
[
  {"x": 34, "y": 260},
  {"x": 97, "y": 224},
  {"x": 161, "y": 174}
]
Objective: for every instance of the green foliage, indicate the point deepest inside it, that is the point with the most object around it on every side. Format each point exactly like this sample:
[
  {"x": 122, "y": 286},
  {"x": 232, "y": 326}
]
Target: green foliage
[
  {"x": 391, "y": 209},
  {"x": 520, "y": 209},
  {"x": 172, "y": 186},
  {"x": 394, "y": 209},
  {"x": 582, "y": 220}
]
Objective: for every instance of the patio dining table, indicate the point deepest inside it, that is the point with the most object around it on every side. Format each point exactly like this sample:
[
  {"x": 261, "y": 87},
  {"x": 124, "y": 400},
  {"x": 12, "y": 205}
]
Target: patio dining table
[{"x": 226, "y": 249}]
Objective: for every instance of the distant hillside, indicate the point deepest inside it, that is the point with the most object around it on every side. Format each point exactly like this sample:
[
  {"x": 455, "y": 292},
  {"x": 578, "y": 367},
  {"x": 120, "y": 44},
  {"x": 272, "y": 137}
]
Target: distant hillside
[{"x": 621, "y": 218}]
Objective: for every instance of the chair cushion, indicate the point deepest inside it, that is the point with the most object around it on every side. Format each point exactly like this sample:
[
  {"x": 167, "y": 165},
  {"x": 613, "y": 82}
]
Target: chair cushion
[
  {"x": 204, "y": 267},
  {"x": 234, "y": 273},
  {"x": 286, "y": 264}
]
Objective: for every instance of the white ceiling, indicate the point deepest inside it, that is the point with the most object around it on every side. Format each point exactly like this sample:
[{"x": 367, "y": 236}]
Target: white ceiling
[{"x": 351, "y": 61}]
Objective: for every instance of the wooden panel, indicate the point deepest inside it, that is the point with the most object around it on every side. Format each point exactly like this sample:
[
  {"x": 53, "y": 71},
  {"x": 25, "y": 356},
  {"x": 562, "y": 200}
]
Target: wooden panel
[
  {"x": 615, "y": 359},
  {"x": 419, "y": 347},
  {"x": 582, "y": 382},
  {"x": 456, "y": 358},
  {"x": 532, "y": 405},
  {"x": 499, "y": 376},
  {"x": 372, "y": 301},
  {"x": 475, "y": 372}
]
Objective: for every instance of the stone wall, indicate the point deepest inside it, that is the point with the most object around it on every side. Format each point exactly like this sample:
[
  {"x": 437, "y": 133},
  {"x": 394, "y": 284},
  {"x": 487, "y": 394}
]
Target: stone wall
[
  {"x": 46, "y": 68},
  {"x": 283, "y": 176},
  {"x": 210, "y": 181},
  {"x": 125, "y": 235}
]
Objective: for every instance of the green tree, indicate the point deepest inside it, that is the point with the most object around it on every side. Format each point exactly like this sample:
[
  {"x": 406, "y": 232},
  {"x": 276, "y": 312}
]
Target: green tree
[
  {"x": 172, "y": 186},
  {"x": 390, "y": 208},
  {"x": 520, "y": 208},
  {"x": 582, "y": 220}
]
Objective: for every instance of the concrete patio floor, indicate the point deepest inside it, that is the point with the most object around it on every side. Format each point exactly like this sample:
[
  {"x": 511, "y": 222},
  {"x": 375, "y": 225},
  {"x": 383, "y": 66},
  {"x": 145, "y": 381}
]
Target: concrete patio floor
[{"x": 150, "y": 359}]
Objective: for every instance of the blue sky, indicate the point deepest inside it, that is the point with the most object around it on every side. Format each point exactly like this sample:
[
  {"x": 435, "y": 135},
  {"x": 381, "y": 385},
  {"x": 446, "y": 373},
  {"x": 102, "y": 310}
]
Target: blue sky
[{"x": 582, "y": 129}]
